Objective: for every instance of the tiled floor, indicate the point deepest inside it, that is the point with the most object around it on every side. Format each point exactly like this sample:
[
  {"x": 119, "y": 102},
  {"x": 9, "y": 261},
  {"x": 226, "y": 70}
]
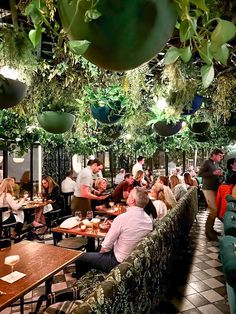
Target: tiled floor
[{"x": 199, "y": 285}]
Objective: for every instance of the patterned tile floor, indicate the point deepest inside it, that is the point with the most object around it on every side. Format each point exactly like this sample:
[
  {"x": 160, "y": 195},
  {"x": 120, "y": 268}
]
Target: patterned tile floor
[{"x": 199, "y": 285}]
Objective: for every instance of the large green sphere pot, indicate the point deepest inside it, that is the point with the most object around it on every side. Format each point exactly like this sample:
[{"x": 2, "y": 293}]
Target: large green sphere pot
[
  {"x": 11, "y": 92},
  {"x": 127, "y": 34},
  {"x": 56, "y": 122}
]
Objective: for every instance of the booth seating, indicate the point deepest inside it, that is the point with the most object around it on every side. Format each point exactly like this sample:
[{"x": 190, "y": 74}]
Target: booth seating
[
  {"x": 228, "y": 251},
  {"x": 142, "y": 279}
]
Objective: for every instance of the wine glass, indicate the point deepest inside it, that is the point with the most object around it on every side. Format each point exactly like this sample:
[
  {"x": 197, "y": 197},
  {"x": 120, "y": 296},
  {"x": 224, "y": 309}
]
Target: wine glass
[
  {"x": 78, "y": 215},
  {"x": 12, "y": 260},
  {"x": 111, "y": 204},
  {"x": 89, "y": 215}
]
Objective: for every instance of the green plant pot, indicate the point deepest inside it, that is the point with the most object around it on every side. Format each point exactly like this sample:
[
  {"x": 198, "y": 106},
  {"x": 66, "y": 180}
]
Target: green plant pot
[
  {"x": 127, "y": 34},
  {"x": 167, "y": 129},
  {"x": 11, "y": 92},
  {"x": 199, "y": 127},
  {"x": 56, "y": 122}
]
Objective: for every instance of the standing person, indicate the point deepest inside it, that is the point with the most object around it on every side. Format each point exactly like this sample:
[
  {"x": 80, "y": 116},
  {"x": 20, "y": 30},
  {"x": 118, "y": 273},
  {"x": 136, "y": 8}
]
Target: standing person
[
  {"x": 68, "y": 184},
  {"x": 211, "y": 175},
  {"x": 138, "y": 165},
  {"x": 125, "y": 233},
  {"x": 84, "y": 191},
  {"x": 231, "y": 171},
  {"x": 123, "y": 189}
]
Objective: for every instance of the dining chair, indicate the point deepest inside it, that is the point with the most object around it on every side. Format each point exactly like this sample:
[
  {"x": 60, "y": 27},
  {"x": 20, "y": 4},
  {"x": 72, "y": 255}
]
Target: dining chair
[{"x": 5, "y": 228}]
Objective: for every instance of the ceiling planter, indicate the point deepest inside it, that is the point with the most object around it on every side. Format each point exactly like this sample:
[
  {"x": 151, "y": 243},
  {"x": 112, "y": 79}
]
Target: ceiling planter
[
  {"x": 11, "y": 92},
  {"x": 106, "y": 114},
  {"x": 164, "y": 128},
  {"x": 199, "y": 127},
  {"x": 201, "y": 138},
  {"x": 56, "y": 122},
  {"x": 232, "y": 133},
  {"x": 196, "y": 105},
  {"x": 232, "y": 119},
  {"x": 124, "y": 34}
]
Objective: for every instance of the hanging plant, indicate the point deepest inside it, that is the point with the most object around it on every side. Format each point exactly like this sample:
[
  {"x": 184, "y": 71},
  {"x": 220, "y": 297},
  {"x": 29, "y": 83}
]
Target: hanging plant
[{"x": 108, "y": 104}]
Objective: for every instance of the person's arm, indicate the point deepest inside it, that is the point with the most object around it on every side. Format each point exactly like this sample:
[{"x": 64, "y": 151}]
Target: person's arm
[
  {"x": 13, "y": 204},
  {"x": 85, "y": 192},
  {"x": 112, "y": 236}
]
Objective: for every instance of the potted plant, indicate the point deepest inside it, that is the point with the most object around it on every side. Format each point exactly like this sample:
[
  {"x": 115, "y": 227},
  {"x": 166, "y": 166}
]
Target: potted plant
[
  {"x": 11, "y": 92},
  {"x": 148, "y": 26},
  {"x": 57, "y": 110},
  {"x": 195, "y": 105},
  {"x": 107, "y": 104},
  {"x": 199, "y": 122},
  {"x": 164, "y": 121}
]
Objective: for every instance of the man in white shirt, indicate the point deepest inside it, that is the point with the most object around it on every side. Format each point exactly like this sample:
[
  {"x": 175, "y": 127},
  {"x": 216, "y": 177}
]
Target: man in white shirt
[
  {"x": 120, "y": 176},
  {"x": 126, "y": 231},
  {"x": 138, "y": 166},
  {"x": 84, "y": 191},
  {"x": 68, "y": 184}
]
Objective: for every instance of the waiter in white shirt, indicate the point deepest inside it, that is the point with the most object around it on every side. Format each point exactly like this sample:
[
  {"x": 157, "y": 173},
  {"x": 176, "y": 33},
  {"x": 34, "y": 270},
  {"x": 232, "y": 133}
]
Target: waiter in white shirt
[
  {"x": 138, "y": 166},
  {"x": 126, "y": 231},
  {"x": 68, "y": 184}
]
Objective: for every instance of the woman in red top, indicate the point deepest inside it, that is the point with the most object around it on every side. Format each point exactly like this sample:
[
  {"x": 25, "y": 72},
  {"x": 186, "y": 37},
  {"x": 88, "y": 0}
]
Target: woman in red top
[{"x": 222, "y": 192}]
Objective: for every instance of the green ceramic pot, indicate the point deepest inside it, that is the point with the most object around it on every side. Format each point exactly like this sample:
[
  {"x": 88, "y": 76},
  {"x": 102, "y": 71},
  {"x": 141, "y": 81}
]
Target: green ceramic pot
[
  {"x": 127, "y": 34},
  {"x": 56, "y": 122},
  {"x": 11, "y": 92}
]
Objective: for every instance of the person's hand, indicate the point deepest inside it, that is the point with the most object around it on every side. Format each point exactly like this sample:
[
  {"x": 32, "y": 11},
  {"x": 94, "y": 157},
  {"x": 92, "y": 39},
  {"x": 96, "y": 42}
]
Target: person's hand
[
  {"x": 218, "y": 172},
  {"x": 102, "y": 197},
  {"x": 103, "y": 250},
  {"x": 25, "y": 198}
]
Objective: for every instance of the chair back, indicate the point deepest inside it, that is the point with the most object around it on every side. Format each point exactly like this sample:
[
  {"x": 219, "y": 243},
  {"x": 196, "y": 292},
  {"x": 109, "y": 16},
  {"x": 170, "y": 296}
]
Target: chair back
[
  {"x": 67, "y": 199},
  {"x": 2, "y": 209}
]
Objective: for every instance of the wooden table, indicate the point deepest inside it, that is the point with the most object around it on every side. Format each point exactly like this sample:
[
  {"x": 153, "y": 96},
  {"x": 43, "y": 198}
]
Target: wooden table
[
  {"x": 114, "y": 211},
  {"x": 34, "y": 204},
  {"x": 88, "y": 232},
  {"x": 39, "y": 262}
]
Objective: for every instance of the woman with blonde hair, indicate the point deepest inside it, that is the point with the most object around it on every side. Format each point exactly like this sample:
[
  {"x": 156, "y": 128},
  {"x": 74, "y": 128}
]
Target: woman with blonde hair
[
  {"x": 177, "y": 187},
  {"x": 14, "y": 214},
  {"x": 159, "y": 201},
  {"x": 169, "y": 196},
  {"x": 139, "y": 179},
  {"x": 101, "y": 186},
  {"x": 51, "y": 194},
  {"x": 189, "y": 181}
]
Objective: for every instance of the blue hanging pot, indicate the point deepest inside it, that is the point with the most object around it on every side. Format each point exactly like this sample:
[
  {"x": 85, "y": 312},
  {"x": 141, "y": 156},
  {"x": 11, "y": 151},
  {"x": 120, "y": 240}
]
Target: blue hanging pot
[
  {"x": 105, "y": 115},
  {"x": 196, "y": 105}
]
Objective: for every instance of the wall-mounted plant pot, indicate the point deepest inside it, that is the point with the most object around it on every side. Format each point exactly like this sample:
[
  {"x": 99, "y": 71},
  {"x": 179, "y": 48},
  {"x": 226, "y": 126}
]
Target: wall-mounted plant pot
[
  {"x": 201, "y": 138},
  {"x": 104, "y": 114},
  {"x": 232, "y": 119},
  {"x": 127, "y": 34},
  {"x": 164, "y": 128},
  {"x": 199, "y": 127},
  {"x": 196, "y": 105},
  {"x": 56, "y": 122},
  {"x": 11, "y": 92}
]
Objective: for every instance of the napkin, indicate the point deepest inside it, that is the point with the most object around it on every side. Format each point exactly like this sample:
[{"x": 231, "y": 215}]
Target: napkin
[
  {"x": 69, "y": 223},
  {"x": 12, "y": 277}
]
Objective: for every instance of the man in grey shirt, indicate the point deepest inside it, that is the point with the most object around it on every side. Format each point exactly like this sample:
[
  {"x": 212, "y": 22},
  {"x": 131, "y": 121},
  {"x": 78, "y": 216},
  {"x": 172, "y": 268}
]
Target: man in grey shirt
[
  {"x": 211, "y": 175},
  {"x": 84, "y": 191}
]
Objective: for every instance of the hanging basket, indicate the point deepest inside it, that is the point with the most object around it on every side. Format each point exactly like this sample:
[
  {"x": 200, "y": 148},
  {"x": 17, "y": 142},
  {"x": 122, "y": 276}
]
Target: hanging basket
[
  {"x": 127, "y": 34},
  {"x": 201, "y": 138},
  {"x": 164, "y": 128},
  {"x": 11, "y": 92},
  {"x": 199, "y": 127},
  {"x": 104, "y": 114},
  {"x": 56, "y": 122},
  {"x": 196, "y": 105}
]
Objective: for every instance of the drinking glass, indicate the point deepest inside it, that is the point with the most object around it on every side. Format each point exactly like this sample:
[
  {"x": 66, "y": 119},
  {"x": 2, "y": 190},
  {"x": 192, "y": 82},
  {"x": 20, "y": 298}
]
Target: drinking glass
[
  {"x": 12, "y": 260},
  {"x": 111, "y": 204},
  {"x": 78, "y": 215},
  {"x": 89, "y": 215}
]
